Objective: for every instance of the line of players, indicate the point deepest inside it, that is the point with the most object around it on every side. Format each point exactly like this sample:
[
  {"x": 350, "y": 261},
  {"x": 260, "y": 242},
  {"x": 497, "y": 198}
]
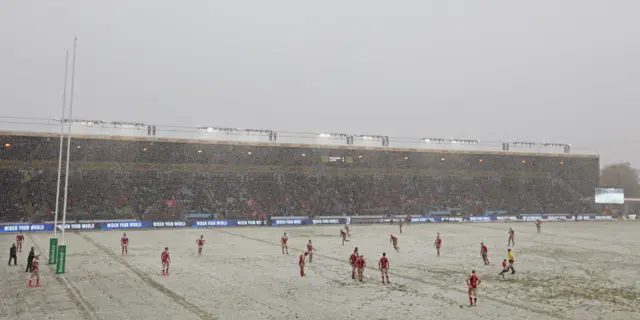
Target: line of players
[
  {"x": 165, "y": 258},
  {"x": 356, "y": 260},
  {"x": 33, "y": 259},
  {"x": 358, "y": 263}
]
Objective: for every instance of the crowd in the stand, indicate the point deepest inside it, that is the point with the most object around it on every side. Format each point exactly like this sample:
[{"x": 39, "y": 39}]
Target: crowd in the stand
[
  {"x": 108, "y": 192},
  {"x": 151, "y": 195}
]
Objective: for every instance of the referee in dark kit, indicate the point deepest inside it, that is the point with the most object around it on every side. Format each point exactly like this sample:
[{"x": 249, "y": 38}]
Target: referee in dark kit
[
  {"x": 13, "y": 255},
  {"x": 32, "y": 254}
]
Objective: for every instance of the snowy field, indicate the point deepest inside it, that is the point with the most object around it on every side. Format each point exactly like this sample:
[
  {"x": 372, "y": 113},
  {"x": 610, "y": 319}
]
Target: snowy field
[{"x": 573, "y": 270}]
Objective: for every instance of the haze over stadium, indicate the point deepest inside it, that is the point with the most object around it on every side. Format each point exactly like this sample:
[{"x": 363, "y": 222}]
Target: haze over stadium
[{"x": 288, "y": 120}]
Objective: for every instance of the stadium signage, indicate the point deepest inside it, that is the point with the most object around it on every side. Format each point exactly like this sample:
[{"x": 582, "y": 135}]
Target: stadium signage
[
  {"x": 251, "y": 223},
  {"x": 26, "y": 227},
  {"x": 169, "y": 224},
  {"x": 532, "y": 218},
  {"x": 212, "y": 223},
  {"x": 557, "y": 218},
  {"x": 480, "y": 219},
  {"x": 77, "y": 226},
  {"x": 451, "y": 219},
  {"x": 287, "y": 222},
  {"x": 125, "y": 225},
  {"x": 632, "y": 217},
  {"x": 365, "y": 220},
  {"x": 327, "y": 221},
  {"x": 505, "y": 218}
]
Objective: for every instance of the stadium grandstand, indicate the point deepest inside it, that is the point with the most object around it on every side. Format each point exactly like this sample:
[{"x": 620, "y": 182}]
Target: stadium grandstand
[{"x": 151, "y": 178}]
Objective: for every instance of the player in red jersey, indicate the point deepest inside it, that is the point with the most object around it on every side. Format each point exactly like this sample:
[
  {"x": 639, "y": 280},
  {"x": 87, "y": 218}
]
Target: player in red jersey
[
  {"x": 124, "y": 243},
  {"x": 343, "y": 235},
  {"x": 166, "y": 260},
  {"x": 200, "y": 243},
  {"x": 301, "y": 263},
  {"x": 512, "y": 236},
  {"x": 352, "y": 261},
  {"x": 505, "y": 268},
  {"x": 473, "y": 282},
  {"x": 283, "y": 243},
  {"x": 538, "y": 225},
  {"x": 310, "y": 251},
  {"x": 19, "y": 240},
  {"x": 438, "y": 243},
  {"x": 346, "y": 228},
  {"x": 484, "y": 252},
  {"x": 400, "y": 224},
  {"x": 35, "y": 271},
  {"x": 360, "y": 265},
  {"x": 383, "y": 265},
  {"x": 394, "y": 240}
]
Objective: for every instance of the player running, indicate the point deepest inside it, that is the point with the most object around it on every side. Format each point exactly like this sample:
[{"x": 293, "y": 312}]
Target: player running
[
  {"x": 166, "y": 260},
  {"x": 538, "y": 225},
  {"x": 35, "y": 271},
  {"x": 352, "y": 261},
  {"x": 399, "y": 224},
  {"x": 484, "y": 252},
  {"x": 360, "y": 265},
  {"x": 310, "y": 251},
  {"x": 346, "y": 228},
  {"x": 200, "y": 243},
  {"x": 301, "y": 263},
  {"x": 383, "y": 265},
  {"x": 472, "y": 283},
  {"x": 19, "y": 240},
  {"x": 505, "y": 268},
  {"x": 394, "y": 240},
  {"x": 343, "y": 235},
  {"x": 438, "y": 243},
  {"x": 512, "y": 236},
  {"x": 283, "y": 243},
  {"x": 124, "y": 243},
  {"x": 512, "y": 260}
]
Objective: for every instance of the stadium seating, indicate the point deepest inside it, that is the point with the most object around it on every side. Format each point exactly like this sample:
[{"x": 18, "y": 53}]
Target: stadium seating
[{"x": 145, "y": 179}]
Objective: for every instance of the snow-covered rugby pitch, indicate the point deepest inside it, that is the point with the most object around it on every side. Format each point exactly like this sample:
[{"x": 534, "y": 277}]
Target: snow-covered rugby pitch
[{"x": 573, "y": 270}]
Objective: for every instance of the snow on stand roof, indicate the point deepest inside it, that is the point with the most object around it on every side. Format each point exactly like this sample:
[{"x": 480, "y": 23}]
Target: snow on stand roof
[{"x": 7, "y": 134}]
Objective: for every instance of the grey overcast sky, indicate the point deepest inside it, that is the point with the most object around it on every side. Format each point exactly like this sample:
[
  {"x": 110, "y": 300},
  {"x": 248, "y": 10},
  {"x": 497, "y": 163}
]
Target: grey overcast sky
[{"x": 543, "y": 70}]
